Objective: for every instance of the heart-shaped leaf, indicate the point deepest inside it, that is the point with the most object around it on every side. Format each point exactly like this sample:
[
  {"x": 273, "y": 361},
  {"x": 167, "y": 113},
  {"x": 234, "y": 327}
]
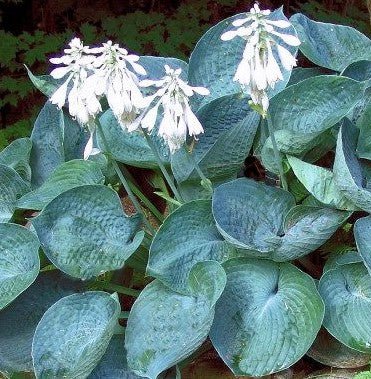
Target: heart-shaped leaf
[
  {"x": 85, "y": 232},
  {"x": 267, "y": 317},
  {"x": 164, "y": 327},
  {"x": 17, "y": 156},
  {"x": 12, "y": 187},
  {"x": 351, "y": 177},
  {"x": 364, "y": 139},
  {"x": 346, "y": 292},
  {"x": 19, "y": 319},
  {"x": 66, "y": 176},
  {"x": 19, "y": 261},
  {"x": 263, "y": 220},
  {"x": 360, "y": 70},
  {"x": 113, "y": 364},
  {"x": 299, "y": 73},
  {"x": 315, "y": 104},
  {"x": 187, "y": 236},
  {"x": 329, "y": 45},
  {"x": 320, "y": 183},
  {"x": 214, "y": 62},
  {"x": 362, "y": 234},
  {"x": 229, "y": 129},
  {"x": 330, "y": 352},
  {"x": 74, "y": 334},
  {"x": 46, "y": 84}
]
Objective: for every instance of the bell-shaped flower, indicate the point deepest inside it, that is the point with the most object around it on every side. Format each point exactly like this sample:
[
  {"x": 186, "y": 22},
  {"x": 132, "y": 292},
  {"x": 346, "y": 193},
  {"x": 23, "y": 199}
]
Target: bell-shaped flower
[
  {"x": 114, "y": 79},
  {"x": 259, "y": 67},
  {"x": 178, "y": 118}
]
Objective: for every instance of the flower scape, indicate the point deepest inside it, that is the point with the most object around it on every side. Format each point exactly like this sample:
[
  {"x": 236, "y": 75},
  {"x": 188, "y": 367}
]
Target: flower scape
[{"x": 97, "y": 279}]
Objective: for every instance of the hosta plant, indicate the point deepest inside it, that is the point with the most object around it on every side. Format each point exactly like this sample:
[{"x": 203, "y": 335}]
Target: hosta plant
[{"x": 264, "y": 268}]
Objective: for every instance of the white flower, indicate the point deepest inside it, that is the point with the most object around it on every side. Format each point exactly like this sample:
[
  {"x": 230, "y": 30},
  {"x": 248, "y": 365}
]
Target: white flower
[
  {"x": 259, "y": 68},
  {"x": 117, "y": 82},
  {"x": 178, "y": 119}
]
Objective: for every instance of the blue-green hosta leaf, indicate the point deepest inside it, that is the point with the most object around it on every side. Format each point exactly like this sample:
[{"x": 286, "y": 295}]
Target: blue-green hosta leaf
[
  {"x": 19, "y": 319},
  {"x": 187, "y": 236},
  {"x": 299, "y": 73},
  {"x": 346, "y": 292},
  {"x": 19, "y": 261},
  {"x": 315, "y": 104},
  {"x": 362, "y": 234},
  {"x": 85, "y": 232},
  {"x": 74, "y": 138},
  {"x": 265, "y": 222},
  {"x": 337, "y": 259},
  {"x": 214, "y": 62},
  {"x": 329, "y": 45},
  {"x": 12, "y": 187},
  {"x": 350, "y": 176},
  {"x": 113, "y": 364},
  {"x": 74, "y": 334},
  {"x": 154, "y": 66},
  {"x": 229, "y": 129},
  {"x": 17, "y": 156},
  {"x": 44, "y": 83},
  {"x": 320, "y": 183},
  {"x": 360, "y": 70},
  {"x": 364, "y": 139},
  {"x": 68, "y": 175},
  {"x": 330, "y": 352},
  {"x": 164, "y": 327},
  {"x": 47, "y": 143},
  {"x": 267, "y": 317},
  {"x": 131, "y": 148},
  {"x": 306, "y": 228}
]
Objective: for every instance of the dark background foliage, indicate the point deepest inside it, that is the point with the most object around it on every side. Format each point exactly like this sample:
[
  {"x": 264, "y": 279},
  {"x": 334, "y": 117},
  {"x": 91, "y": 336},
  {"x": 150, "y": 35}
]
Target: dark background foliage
[{"x": 31, "y": 31}]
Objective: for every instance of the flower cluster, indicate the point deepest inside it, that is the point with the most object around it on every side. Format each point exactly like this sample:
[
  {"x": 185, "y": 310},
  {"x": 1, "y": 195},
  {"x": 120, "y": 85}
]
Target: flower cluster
[
  {"x": 178, "y": 118},
  {"x": 94, "y": 76},
  {"x": 111, "y": 72},
  {"x": 259, "y": 68}
]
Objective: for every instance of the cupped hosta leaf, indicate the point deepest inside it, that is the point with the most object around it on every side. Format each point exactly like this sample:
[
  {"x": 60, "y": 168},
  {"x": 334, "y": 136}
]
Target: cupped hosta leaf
[
  {"x": 320, "y": 183},
  {"x": 154, "y": 66},
  {"x": 250, "y": 214},
  {"x": 74, "y": 334},
  {"x": 329, "y": 351},
  {"x": 362, "y": 234},
  {"x": 306, "y": 228},
  {"x": 17, "y": 156},
  {"x": 315, "y": 104},
  {"x": 263, "y": 220},
  {"x": 337, "y": 259},
  {"x": 267, "y": 317},
  {"x": 229, "y": 129},
  {"x": 352, "y": 179},
  {"x": 164, "y": 327},
  {"x": 47, "y": 143},
  {"x": 12, "y": 187},
  {"x": 19, "y": 261},
  {"x": 131, "y": 148},
  {"x": 66, "y": 176},
  {"x": 19, "y": 319},
  {"x": 187, "y": 236},
  {"x": 113, "y": 364},
  {"x": 85, "y": 232},
  {"x": 346, "y": 292},
  {"x": 329, "y": 45},
  {"x": 214, "y": 62}
]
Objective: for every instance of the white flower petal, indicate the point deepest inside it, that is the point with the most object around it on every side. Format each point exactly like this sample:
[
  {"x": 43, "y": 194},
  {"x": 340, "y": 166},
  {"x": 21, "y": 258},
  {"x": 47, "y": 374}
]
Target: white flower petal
[
  {"x": 60, "y": 72},
  {"x": 59, "y": 96},
  {"x": 201, "y": 90},
  {"x": 138, "y": 68},
  {"x": 279, "y": 23},
  {"x": 227, "y": 36},
  {"x": 288, "y": 61},
  {"x": 241, "y": 21},
  {"x": 288, "y": 38},
  {"x": 88, "y": 148},
  {"x": 149, "y": 120},
  {"x": 193, "y": 124}
]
